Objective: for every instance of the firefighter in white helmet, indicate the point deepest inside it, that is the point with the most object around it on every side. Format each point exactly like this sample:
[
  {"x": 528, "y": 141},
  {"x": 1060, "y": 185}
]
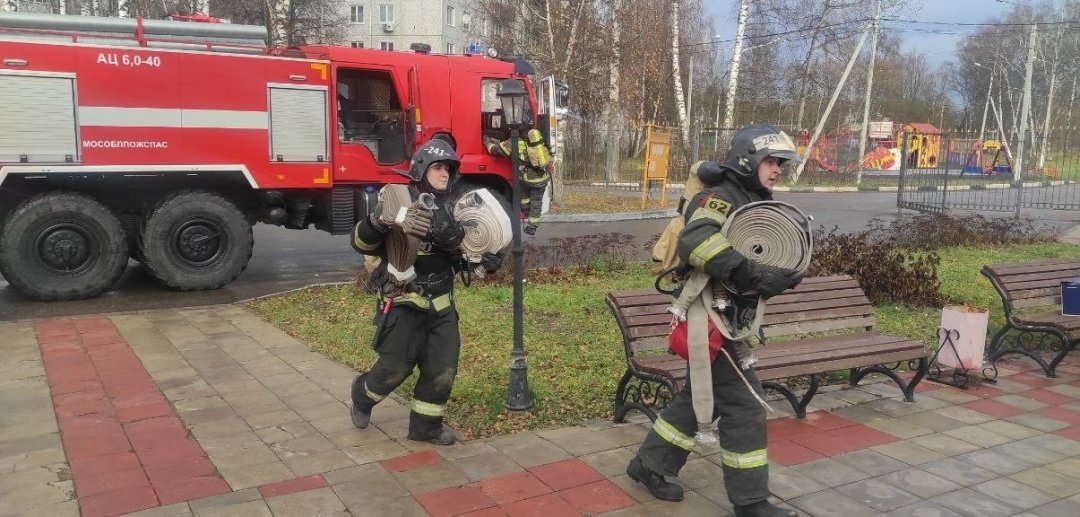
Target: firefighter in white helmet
[{"x": 748, "y": 174}]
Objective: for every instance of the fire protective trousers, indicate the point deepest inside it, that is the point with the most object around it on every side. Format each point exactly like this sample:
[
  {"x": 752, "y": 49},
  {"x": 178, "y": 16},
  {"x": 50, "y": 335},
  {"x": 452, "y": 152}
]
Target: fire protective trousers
[
  {"x": 414, "y": 337},
  {"x": 742, "y": 434}
]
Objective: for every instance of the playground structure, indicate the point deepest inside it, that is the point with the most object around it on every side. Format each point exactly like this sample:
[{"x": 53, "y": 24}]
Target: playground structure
[
  {"x": 923, "y": 144},
  {"x": 986, "y": 157}
]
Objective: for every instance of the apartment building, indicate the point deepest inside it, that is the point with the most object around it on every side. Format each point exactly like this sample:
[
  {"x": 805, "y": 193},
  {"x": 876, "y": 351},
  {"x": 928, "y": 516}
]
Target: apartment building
[{"x": 447, "y": 25}]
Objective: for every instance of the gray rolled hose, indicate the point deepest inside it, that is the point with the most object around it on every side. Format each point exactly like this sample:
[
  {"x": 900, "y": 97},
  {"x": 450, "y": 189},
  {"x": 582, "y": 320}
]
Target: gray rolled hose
[{"x": 773, "y": 233}]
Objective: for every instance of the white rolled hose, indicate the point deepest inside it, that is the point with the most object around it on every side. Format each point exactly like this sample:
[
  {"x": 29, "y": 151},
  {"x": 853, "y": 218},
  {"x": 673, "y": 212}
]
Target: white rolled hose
[{"x": 486, "y": 223}]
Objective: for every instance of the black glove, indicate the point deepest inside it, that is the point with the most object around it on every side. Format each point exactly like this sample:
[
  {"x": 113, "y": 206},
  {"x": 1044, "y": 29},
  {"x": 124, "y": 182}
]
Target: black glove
[
  {"x": 445, "y": 232},
  {"x": 374, "y": 217},
  {"x": 491, "y": 262},
  {"x": 767, "y": 281}
]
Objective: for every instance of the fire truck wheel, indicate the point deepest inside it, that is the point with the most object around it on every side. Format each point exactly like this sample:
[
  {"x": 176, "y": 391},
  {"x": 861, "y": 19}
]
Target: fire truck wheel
[
  {"x": 62, "y": 246},
  {"x": 196, "y": 240}
]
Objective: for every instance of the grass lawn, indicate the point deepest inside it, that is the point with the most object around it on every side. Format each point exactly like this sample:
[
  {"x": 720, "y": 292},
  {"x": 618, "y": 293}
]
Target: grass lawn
[
  {"x": 596, "y": 203},
  {"x": 575, "y": 354}
]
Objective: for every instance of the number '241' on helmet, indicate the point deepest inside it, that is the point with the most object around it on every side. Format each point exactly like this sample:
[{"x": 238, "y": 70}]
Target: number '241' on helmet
[
  {"x": 753, "y": 144},
  {"x": 435, "y": 150}
]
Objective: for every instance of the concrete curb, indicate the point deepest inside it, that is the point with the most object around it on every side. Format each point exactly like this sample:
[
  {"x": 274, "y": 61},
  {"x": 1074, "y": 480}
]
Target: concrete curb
[
  {"x": 678, "y": 187},
  {"x": 608, "y": 217}
]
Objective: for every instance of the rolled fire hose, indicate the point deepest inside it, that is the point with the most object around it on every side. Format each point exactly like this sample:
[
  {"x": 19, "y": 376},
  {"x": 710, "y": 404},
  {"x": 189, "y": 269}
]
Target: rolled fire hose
[
  {"x": 401, "y": 248},
  {"x": 772, "y": 233},
  {"x": 486, "y": 224}
]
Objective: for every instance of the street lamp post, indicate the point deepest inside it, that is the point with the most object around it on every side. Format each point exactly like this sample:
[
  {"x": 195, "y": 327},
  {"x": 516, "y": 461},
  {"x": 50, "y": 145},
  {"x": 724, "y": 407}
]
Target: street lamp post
[{"x": 513, "y": 98}]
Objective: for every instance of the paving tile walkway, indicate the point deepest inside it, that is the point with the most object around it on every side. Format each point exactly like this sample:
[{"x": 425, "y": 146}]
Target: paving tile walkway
[{"x": 213, "y": 412}]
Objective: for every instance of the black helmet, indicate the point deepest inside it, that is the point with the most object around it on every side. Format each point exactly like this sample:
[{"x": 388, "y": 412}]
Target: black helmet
[
  {"x": 436, "y": 150},
  {"x": 752, "y": 144}
]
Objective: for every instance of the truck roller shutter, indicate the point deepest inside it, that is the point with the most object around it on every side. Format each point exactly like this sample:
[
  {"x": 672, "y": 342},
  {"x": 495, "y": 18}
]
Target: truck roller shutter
[
  {"x": 49, "y": 102},
  {"x": 298, "y": 125}
]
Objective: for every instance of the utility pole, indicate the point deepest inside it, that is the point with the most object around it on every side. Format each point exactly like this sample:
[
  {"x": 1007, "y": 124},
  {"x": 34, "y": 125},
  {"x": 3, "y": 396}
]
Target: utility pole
[
  {"x": 832, "y": 102},
  {"x": 1025, "y": 107},
  {"x": 869, "y": 91},
  {"x": 986, "y": 107}
]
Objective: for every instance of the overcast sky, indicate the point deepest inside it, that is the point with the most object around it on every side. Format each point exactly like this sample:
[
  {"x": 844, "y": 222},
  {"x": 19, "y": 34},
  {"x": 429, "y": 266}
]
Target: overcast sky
[{"x": 937, "y": 47}]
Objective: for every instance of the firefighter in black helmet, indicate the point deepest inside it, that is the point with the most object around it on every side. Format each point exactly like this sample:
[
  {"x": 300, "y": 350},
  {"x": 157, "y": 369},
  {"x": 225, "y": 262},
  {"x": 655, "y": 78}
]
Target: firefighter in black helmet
[
  {"x": 418, "y": 325},
  {"x": 748, "y": 174}
]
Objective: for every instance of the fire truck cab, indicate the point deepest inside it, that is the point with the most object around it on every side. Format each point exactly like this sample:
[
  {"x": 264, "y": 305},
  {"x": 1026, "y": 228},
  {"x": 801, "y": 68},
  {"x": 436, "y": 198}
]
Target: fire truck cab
[{"x": 165, "y": 141}]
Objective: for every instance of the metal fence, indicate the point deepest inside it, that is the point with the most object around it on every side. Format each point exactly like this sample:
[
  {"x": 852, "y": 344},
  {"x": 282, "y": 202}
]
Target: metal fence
[
  {"x": 986, "y": 175},
  {"x": 584, "y": 150}
]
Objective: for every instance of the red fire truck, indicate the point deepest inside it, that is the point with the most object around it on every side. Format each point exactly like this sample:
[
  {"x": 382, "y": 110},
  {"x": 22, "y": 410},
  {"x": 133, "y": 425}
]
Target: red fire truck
[{"x": 165, "y": 141}]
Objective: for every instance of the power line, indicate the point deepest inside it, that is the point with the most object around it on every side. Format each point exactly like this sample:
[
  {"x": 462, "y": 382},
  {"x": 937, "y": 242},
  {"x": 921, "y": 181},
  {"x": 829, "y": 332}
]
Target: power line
[
  {"x": 888, "y": 19},
  {"x": 984, "y": 24},
  {"x": 775, "y": 34}
]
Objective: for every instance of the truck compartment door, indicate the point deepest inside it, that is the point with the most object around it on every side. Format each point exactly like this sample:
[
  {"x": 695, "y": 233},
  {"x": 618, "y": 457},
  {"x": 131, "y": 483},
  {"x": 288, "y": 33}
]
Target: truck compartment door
[
  {"x": 47, "y": 102},
  {"x": 552, "y": 97},
  {"x": 298, "y": 124}
]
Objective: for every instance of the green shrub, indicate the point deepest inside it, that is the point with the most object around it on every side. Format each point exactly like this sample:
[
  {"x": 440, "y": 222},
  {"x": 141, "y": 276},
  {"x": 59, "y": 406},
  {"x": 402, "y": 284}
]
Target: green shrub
[{"x": 885, "y": 273}]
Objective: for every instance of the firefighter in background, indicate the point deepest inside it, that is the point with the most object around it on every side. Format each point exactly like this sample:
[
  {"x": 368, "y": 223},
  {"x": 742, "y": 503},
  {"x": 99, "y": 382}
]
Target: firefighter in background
[
  {"x": 418, "y": 325},
  {"x": 534, "y": 172},
  {"x": 748, "y": 174}
]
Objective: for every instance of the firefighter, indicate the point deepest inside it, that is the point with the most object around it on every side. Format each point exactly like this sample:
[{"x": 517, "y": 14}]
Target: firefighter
[
  {"x": 534, "y": 172},
  {"x": 748, "y": 174},
  {"x": 417, "y": 322}
]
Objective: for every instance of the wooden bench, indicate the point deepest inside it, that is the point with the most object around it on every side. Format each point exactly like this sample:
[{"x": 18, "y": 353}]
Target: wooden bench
[
  {"x": 1034, "y": 289},
  {"x": 824, "y": 306}
]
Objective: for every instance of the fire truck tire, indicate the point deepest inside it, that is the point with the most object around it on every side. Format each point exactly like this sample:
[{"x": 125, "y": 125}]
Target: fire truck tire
[
  {"x": 196, "y": 240},
  {"x": 62, "y": 246}
]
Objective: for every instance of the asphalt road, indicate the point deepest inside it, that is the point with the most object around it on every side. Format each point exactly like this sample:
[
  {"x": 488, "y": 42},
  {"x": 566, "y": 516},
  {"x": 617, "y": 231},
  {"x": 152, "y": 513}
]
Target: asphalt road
[{"x": 289, "y": 259}]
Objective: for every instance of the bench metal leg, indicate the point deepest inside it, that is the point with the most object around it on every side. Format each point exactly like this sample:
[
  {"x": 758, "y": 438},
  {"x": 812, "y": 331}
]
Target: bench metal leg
[
  {"x": 1032, "y": 352},
  {"x": 634, "y": 396},
  {"x": 908, "y": 390},
  {"x": 799, "y": 405},
  {"x": 1066, "y": 347},
  {"x": 995, "y": 342},
  {"x": 620, "y": 397}
]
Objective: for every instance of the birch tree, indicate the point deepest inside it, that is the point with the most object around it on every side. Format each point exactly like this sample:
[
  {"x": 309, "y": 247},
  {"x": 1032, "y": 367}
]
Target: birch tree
[
  {"x": 736, "y": 59},
  {"x": 614, "y": 116},
  {"x": 676, "y": 77}
]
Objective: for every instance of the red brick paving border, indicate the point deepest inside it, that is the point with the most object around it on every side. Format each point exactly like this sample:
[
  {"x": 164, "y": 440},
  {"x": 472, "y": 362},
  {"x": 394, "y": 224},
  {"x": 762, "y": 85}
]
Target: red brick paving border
[
  {"x": 411, "y": 461},
  {"x": 564, "y": 488},
  {"x": 822, "y": 434},
  {"x": 126, "y": 446},
  {"x": 994, "y": 408},
  {"x": 292, "y": 486}
]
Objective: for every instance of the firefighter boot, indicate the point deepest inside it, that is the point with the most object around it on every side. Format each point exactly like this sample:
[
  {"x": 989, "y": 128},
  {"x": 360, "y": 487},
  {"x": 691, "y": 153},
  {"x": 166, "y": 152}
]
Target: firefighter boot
[
  {"x": 763, "y": 509},
  {"x": 659, "y": 487},
  {"x": 360, "y": 411},
  {"x": 441, "y": 436},
  {"x": 360, "y": 417}
]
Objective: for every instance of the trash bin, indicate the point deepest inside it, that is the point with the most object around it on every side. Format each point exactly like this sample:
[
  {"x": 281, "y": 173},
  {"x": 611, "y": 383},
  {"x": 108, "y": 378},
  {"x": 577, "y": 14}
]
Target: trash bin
[{"x": 970, "y": 323}]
